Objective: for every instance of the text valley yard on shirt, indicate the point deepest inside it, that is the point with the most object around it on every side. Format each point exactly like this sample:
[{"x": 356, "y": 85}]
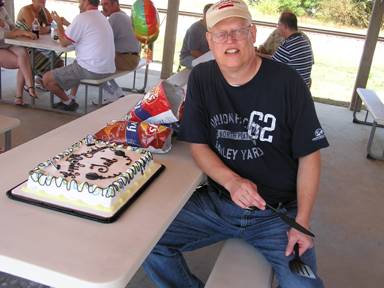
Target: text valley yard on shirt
[{"x": 259, "y": 127}]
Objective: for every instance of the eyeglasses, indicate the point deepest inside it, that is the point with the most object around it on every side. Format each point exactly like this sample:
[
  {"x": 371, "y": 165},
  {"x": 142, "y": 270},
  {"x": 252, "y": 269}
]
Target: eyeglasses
[{"x": 236, "y": 34}]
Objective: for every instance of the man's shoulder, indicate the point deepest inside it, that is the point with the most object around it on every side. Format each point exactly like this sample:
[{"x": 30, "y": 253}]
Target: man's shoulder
[
  {"x": 204, "y": 71},
  {"x": 89, "y": 14},
  {"x": 296, "y": 38},
  {"x": 119, "y": 14},
  {"x": 204, "y": 67},
  {"x": 278, "y": 69},
  {"x": 197, "y": 26}
]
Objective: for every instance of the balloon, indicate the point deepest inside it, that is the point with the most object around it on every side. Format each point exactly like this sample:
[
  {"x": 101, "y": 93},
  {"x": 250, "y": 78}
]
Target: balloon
[{"x": 145, "y": 21}]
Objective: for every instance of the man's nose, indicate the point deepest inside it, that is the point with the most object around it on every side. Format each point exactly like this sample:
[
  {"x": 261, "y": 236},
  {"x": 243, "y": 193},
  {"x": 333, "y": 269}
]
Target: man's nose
[{"x": 231, "y": 37}]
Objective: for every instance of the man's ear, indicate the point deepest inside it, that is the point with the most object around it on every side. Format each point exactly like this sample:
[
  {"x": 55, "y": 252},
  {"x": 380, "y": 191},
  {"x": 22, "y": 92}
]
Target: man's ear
[
  {"x": 253, "y": 32},
  {"x": 209, "y": 39}
]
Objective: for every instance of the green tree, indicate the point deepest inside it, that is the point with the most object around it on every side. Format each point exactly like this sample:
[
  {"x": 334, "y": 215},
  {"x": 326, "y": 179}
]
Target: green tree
[
  {"x": 346, "y": 12},
  {"x": 299, "y": 7}
]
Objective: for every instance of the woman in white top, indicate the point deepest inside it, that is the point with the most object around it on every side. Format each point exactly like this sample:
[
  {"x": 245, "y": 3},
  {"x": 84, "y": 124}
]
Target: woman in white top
[{"x": 14, "y": 57}]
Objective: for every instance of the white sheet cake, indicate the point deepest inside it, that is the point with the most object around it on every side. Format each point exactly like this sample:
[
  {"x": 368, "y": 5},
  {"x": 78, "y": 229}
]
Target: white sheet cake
[{"x": 101, "y": 176}]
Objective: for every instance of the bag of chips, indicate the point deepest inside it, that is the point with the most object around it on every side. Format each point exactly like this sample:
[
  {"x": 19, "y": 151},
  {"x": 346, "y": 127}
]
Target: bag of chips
[
  {"x": 153, "y": 137},
  {"x": 160, "y": 105}
]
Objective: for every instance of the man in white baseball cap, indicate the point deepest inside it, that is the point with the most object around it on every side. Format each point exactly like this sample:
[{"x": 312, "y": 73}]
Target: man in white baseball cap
[
  {"x": 225, "y": 9},
  {"x": 253, "y": 130}
]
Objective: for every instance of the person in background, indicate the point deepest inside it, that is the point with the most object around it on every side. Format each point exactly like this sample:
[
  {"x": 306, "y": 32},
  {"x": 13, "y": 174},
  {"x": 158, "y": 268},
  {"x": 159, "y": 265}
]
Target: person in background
[
  {"x": 127, "y": 54},
  {"x": 92, "y": 37},
  {"x": 253, "y": 130},
  {"x": 14, "y": 57},
  {"x": 194, "y": 43},
  {"x": 42, "y": 58},
  {"x": 295, "y": 50},
  {"x": 271, "y": 44}
]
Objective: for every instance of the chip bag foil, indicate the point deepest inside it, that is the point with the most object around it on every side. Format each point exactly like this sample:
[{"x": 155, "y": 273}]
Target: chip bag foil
[
  {"x": 160, "y": 105},
  {"x": 153, "y": 137}
]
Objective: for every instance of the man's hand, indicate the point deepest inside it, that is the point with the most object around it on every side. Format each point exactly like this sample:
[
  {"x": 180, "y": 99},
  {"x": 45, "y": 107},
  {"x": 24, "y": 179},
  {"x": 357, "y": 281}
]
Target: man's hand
[
  {"x": 65, "y": 21},
  {"x": 244, "y": 193},
  {"x": 57, "y": 18},
  {"x": 294, "y": 236},
  {"x": 23, "y": 33},
  {"x": 30, "y": 35}
]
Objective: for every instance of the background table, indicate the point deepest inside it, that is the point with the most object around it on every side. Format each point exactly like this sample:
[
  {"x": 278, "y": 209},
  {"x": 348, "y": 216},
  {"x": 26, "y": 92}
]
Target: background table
[
  {"x": 61, "y": 250},
  {"x": 44, "y": 42}
]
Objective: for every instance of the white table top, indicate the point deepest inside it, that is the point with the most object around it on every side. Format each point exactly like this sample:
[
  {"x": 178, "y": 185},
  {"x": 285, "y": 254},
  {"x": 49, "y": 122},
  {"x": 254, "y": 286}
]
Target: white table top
[
  {"x": 8, "y": 123},
  {"x": 44, "y": 42},
  {"x": 207, "y": 56},
  {"x": 61, "y": 250},
  {"x": 374, "y": 102}
]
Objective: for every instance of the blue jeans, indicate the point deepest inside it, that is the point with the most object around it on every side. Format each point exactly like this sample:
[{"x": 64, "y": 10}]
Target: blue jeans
[{"x": 208, "y": 218}]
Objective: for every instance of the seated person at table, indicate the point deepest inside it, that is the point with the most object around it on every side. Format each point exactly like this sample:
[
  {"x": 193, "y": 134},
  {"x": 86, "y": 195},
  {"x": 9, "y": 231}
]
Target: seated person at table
[
  {"x": 195, "y": 43},
  {"x": 127, "y": 53},
  {"x": 253, "y": 130},
  {"x": 296, "y": 49},
  {"x": 272, "y": 43},
  {"x": 13, "y": 57},
  {"x": 92, "y": 37},
  {"x": 42, "y": 60}
]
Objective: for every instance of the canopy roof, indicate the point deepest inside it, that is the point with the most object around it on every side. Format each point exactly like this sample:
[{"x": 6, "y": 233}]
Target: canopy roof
[{"x": 171, "y": 29}]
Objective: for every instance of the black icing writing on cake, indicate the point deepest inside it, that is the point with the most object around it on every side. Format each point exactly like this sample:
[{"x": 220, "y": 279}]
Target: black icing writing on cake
[
  {"x": 75, "y": 164},
  {"x": 95, "y": 176},
  {"x": 122, "y": 154},
  {"x": 93, "y": 151},
  {"x": 73, "y": 167},
  {"x": 104, "y": 168},
  {"x": 123, "y": 179}
]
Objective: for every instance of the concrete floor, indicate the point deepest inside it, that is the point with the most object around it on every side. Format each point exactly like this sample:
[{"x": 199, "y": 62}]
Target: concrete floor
[{"x": 348, "y": 217}]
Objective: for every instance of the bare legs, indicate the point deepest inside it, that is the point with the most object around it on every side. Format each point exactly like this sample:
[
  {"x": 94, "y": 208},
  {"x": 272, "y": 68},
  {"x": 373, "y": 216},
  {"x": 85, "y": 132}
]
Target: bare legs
[
  {"x": 51, "y": 84},
  {"x": 17, "y": 57},
  {"x": 20, "y": 81}
]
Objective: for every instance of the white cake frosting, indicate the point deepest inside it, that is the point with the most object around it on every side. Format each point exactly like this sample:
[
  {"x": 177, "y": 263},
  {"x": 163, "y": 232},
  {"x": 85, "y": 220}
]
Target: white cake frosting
[{"x": 102, "y": 176}]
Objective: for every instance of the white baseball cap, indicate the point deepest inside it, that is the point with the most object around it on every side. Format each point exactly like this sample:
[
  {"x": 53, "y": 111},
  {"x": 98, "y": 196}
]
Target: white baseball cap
[{"x": 226, "y": 9}]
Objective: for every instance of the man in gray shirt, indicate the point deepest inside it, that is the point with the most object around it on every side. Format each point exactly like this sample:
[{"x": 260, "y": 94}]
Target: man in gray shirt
[
  {"x": 195, "y": 43},
  {"x": 127, "y": 48}
]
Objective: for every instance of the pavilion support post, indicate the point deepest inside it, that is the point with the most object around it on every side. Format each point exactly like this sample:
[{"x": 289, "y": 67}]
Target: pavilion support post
[
  {"x": 10, "y": 6},
  {"x": 170, "y": 39},
  {"x": 368, "y": 52}
]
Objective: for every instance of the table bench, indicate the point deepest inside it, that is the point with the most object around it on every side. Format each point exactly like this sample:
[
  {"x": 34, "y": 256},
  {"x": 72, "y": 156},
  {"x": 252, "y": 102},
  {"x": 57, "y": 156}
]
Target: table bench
[
  {"x": 1, "y": 88},
  {"x": 117, "y": 74},
  {"x": 240, "y": 265},
  {"x": 6, "y": 126},
  {"x": 375, "y": 107}
]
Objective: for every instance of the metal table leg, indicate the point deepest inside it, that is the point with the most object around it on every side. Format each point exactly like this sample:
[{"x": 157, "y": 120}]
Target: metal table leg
[
  {"x": 8, "y": 140},
  {"x": 52, "y": 54},
  {"x": 33, "y": 72}
]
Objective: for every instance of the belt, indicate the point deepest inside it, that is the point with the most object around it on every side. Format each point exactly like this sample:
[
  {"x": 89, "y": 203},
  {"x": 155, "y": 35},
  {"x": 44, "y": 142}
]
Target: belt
[
  {"x": 225, "y": 194},
  {"x": 129, "y": 53}
]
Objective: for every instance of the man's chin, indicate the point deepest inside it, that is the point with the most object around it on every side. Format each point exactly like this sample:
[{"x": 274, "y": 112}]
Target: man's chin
[{"x": 230, "y": 64}]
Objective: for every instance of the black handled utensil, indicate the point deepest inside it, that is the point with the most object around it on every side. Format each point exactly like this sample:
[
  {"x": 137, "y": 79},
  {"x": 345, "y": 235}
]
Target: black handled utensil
[
  {"x": 290, "y": 221},
  {"x": 297, "y": 266}
]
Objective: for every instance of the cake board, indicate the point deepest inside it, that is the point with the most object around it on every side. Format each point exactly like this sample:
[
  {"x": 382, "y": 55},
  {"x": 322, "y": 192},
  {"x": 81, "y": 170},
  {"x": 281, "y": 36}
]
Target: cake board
[{"x": 18, "y": 194}]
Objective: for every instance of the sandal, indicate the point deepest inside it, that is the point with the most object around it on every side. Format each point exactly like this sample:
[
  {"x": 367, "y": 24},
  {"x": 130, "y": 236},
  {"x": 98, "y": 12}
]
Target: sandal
[
  {"x": 29, "y": 90},
  {"x": 19, "y": 101}
]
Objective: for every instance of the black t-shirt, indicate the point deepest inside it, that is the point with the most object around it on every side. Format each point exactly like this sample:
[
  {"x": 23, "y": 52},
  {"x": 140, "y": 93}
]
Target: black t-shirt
[{"x": 258, "y": 129}]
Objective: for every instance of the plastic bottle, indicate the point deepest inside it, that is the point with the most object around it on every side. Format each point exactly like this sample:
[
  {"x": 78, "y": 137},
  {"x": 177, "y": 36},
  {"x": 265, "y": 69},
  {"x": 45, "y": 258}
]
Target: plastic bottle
[
  {"x": 54, "y": 35},
  {"x": 36, "y": 27}
]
